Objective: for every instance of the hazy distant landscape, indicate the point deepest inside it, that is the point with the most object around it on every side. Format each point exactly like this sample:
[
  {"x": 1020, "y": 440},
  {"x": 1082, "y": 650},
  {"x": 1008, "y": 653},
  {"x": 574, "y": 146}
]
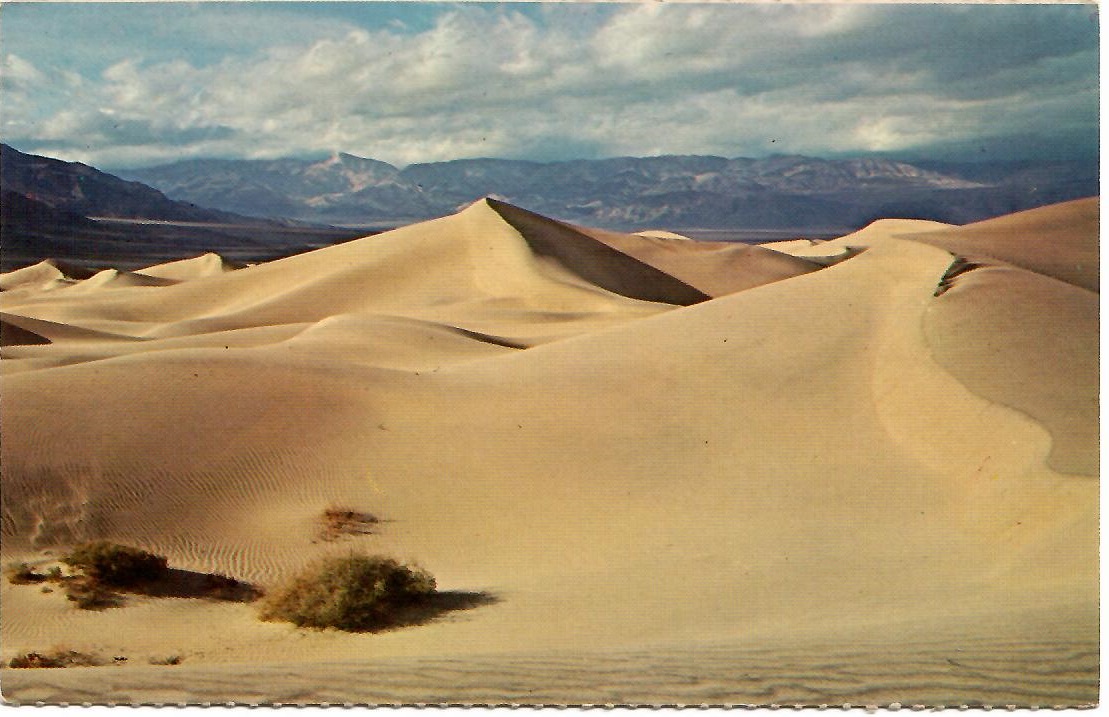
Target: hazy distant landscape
[
  {"x": 630, "y": 193},
  {"x": 78, "y": 214},
  {"x": 399, "y": 353},
  {"x": 264, "y": 209}
]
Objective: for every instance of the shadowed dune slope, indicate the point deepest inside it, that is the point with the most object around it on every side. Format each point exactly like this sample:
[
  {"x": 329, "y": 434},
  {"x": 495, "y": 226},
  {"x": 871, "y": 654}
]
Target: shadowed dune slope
[
  {"x": 56, "y": 332},
  {"x": 596, "y": 261},
  {"x": 631, "y": 264},
  {"x": 716, "y": 268},
  {"x": 13, "y": 335}
]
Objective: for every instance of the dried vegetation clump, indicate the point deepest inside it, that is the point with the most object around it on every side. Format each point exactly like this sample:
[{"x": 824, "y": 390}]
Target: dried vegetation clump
[
  {"x": 55, "y": 658},
  {"x": 358, "y": 593}
]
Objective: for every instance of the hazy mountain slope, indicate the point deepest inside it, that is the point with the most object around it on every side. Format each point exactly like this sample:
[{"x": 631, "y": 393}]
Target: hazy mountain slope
[
  {"x": 86, "y": 191},
  {"x": 629, "y": 192},
  {"x": 288, "y": 187},
  {"x": 47, "y": 205}
]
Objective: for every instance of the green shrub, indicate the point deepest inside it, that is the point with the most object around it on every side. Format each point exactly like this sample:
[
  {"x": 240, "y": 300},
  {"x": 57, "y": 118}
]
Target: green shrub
[
  {"x": 356, "y": 593},
  {"x": 116, "y": 565}
]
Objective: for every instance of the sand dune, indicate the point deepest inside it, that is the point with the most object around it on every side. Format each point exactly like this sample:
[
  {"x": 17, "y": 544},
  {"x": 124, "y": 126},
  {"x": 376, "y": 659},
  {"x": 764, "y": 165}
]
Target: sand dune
[
  {"x": 188, "y": 269},
  {"x": 12, "y": 334},
  {"x": 716, "y": 268},
  {"x": 708, "y": 268},
  {"x": 644, "y": 478},
  {"x": 115, "y": 279},
  {"x": 663, "y": 234},
  {"x": 43, "y": 276},
  {"x": 1053, "y": 241},
  {"x": 460, "y": 269},
  {"x": 596, "y": 261},
  {"x": 991, "y": 330}
]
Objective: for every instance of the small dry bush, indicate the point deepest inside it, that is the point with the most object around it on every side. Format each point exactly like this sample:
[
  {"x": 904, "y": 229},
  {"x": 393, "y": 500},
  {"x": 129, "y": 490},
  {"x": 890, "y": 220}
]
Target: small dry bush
[
  {"x": 358, "y": 593},
  {"x": 169, "y": 660},
  {"x": 23, "y": 574},
  {"x": 89, "y": 595},
  {"x": 337, "y": 522},
  {"x": 55, "y": 658},
  {"x": 116, "y": 565}
]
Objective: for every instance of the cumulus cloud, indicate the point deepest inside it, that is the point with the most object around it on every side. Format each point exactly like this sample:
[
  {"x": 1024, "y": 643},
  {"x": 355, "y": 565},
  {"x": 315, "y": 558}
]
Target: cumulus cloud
[{"x": 563, "y": 81}]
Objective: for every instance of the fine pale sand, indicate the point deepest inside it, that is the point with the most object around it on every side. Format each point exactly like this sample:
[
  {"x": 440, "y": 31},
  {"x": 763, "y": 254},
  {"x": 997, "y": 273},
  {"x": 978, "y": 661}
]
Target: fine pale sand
[{"x": 862, "y": 470}]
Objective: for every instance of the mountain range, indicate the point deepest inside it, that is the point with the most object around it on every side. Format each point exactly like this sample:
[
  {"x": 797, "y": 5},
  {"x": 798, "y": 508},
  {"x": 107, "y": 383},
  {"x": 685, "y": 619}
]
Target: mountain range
[
  {"x": 782, "y": 192},
  {"x": 78, "y": 189},
  {"x": 77, "y": 213}
]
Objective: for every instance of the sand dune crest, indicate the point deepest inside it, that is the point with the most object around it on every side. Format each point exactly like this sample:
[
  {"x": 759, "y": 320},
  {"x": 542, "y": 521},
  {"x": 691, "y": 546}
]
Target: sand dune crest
[{"x": 205, "y": 265}]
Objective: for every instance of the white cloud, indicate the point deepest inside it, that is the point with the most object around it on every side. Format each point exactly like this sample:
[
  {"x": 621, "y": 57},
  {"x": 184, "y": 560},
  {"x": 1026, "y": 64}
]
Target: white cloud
[{"x": 492, "y": 81}]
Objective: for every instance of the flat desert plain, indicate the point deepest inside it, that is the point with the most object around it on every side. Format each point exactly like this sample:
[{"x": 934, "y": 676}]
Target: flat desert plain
[{"x": 649, "y": 469}]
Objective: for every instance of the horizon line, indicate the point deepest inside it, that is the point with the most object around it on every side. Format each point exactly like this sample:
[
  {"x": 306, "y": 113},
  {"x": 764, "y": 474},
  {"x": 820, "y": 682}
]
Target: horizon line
[{"x": 906, "y": 158}]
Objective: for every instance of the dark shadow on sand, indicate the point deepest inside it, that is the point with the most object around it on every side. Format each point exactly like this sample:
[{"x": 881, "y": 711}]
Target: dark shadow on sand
[
  {"x": 434, "y": 607},
  {"x": 177, "y": 583}
]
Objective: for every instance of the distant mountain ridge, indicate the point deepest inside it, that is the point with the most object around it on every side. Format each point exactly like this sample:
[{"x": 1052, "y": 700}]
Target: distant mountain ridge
[
  {"x": 74, "y": 212},
  {"x": 80, "y": 190},
  {"x": 628, "y": 192}
]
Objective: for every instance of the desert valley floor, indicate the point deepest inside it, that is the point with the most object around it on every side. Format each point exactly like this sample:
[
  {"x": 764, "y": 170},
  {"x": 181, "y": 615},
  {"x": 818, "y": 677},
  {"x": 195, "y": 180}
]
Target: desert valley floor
[{"x": 862, "y": 470}]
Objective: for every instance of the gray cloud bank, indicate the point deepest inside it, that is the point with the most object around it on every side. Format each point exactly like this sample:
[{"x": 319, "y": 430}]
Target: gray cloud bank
[{"x": 559, "y": 82}]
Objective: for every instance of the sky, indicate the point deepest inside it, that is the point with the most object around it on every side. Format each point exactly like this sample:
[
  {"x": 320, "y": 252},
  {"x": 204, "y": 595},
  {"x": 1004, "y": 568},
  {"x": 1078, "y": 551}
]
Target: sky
[{"x": 135, "y": 84}]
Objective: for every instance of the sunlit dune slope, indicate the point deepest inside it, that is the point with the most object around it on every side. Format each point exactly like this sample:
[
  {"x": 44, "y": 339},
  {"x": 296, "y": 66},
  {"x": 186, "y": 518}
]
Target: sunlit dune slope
[
  {"x": 1057, "y": 241},
  {"x": 1030, "y": 342},
  {"x": 47, "y": 274},
  {"x": 473, "y": 270},
  {"x": 188, "y": 269}
]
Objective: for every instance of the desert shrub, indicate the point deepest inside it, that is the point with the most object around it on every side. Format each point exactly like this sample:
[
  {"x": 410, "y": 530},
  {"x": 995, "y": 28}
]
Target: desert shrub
[
  {"x": 56, "y": 658},
  {"x": 89, "y": 595},
  {"x": 23, "y": 574},
  {"x": 117, "y": 565},
  {"x": 168, "y": 660},
  {"x": 356, "y": 592},
  {"x": 337, "y": 522}
]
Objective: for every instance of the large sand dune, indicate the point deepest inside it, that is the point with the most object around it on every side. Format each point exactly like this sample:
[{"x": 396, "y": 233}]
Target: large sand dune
[{"x": 654, "y": 454}]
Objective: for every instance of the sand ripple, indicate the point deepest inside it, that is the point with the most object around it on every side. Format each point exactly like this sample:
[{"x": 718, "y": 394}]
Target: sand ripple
[{"x": 997, "y": 673}]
